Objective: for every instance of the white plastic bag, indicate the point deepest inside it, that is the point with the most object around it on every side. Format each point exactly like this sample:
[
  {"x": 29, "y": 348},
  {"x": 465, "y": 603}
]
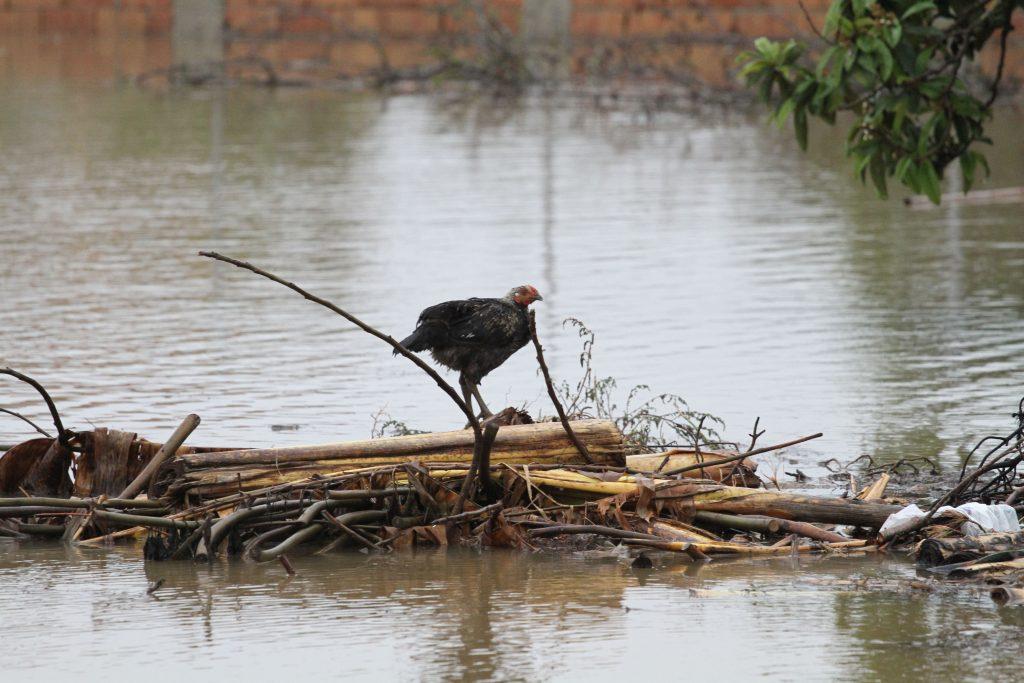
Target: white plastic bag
[{"x": 989, "y": 518}]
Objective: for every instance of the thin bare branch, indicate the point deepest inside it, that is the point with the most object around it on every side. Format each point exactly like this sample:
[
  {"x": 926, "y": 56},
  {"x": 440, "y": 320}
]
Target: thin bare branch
[
  {"x": 554, "y": 395},
  {"x": 741, "y": 456},
  {"x": 30, "y": 422}
]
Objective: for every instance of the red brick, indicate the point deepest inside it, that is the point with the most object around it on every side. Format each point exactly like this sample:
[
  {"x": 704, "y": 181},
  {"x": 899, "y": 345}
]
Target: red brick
[
  {"x": 159, "y": 22},
  {"x": 650, "y": 23},
  {"x": 408, "y": 23},
  {"x": 599, "y": 23},
  {"x": 365, "y": 20},
  {"x": 67, "y": 21},
  {"x": 354, "y": 57},
  {"x": 308, "y": 22}
]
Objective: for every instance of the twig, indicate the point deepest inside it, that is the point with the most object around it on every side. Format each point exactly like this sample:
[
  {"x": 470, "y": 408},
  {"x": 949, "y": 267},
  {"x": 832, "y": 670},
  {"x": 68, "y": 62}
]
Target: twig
[
  {"x": 63, "y": 435},
  {"x": 696, "y": 444},
  {"x": 462, "y": 517},
  {"x": 22, "y": 417},
  {"x": 1007, "y": 27},
  {"x": 754, "y": 434},
  {"x": 554, "y": 396},
  {"x": 810, "y": 22},
  {"x": 741, "y": 456},
  {"x": 348, "y": 530}
]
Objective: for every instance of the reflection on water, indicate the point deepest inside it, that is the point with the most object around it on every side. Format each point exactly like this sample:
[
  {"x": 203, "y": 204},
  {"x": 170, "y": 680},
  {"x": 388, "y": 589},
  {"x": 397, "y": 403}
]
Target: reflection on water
[{"x": 496, "y": 615}]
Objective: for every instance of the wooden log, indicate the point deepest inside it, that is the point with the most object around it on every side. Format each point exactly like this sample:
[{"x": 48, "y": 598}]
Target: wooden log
[
  {"x": 795, "y": 507},
  {"x": 939, "y": 551},
  {"x": 224, "y": 472},
  {"x": 1005, "y": 596},
  {"x": 542, "y": 442}
]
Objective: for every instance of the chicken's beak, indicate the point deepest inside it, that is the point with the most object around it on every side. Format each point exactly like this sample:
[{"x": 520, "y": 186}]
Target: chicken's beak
[{"x": 538, "y": 298}]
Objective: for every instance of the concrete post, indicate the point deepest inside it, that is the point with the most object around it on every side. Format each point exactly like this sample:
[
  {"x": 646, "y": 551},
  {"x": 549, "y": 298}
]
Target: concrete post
[
  {"x": 197, "y": 38},
  {"x": 546, "y": 37}
]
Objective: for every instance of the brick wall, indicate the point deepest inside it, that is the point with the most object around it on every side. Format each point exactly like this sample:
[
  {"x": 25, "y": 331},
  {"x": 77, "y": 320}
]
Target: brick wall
[{"x": 324, "y": 39}]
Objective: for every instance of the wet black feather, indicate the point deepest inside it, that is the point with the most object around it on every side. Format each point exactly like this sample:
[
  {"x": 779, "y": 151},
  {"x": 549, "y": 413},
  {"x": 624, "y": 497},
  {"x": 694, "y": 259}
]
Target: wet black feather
[{"x": 471, "y": 336}]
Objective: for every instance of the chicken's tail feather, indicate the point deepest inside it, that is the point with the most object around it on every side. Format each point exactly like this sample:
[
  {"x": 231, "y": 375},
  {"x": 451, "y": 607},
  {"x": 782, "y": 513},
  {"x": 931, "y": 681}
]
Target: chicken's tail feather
[{"x": 417, "y": 341}]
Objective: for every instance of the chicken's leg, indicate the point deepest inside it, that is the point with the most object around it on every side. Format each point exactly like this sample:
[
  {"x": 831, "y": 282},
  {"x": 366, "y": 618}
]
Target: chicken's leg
[
  {"x": 467, "y": 393},
  {"x": 484, "y": 410}
]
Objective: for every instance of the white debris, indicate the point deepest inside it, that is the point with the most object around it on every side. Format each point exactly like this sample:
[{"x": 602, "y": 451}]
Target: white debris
[{"x": 985, "y": 518}]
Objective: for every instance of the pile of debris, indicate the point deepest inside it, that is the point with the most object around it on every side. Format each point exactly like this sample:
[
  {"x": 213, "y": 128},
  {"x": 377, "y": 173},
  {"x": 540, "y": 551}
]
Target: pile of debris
[
  {"x": 502, "y": 482},
  {"x": 398, "y": 492}
]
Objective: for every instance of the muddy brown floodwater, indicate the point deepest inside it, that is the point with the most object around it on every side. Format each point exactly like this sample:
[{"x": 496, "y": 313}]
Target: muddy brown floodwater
[{"x": 711, "y": 257}]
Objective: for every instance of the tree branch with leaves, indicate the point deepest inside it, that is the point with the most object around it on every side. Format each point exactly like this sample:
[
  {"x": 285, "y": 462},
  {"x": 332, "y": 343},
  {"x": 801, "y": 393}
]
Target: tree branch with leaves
[{"x": 897, "y": 66}]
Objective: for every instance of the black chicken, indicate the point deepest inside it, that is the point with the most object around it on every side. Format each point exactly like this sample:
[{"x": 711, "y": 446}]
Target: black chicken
[{"x": 474, "y": 336}]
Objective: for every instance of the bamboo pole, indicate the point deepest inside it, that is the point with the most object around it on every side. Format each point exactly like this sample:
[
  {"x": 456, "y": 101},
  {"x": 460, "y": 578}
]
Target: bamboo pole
[
  {"x": 541, "y": 442},
  {"x": 768, "y": 525},
  {"x": 167, "y": 450},
  {"x": 743, "y": 549}
]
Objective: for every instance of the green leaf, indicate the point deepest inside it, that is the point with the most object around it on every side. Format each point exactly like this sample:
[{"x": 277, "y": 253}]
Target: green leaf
[
  {"x": 902, "y": 166},
  {"x": 835, "y": 11},
  {"x": 877, "y": 169},
  {"x": 783, "y": 111},
  {"x": 901, "y": 115},
  {"x": 893, "y": 33},
  {"x": 885, "y": 57},
  {"x": 917, "y": 8},
  {"x": 800, "y": 127},
  {"x": 967, "y": 165},
  {"x": 930, "y": 182}
]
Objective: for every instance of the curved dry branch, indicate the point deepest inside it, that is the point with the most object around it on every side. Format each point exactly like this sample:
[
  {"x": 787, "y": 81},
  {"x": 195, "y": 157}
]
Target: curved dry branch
[
  {"x": 63, "y": 435},
  {"x": 387, "y": 339},
  {"x": 554, "y": 396}
]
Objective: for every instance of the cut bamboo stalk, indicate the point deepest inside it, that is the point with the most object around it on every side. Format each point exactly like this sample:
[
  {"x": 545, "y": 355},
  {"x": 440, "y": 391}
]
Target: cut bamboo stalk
[
  {"x": 222, "y": 473},
  {"x": 732, "y": 499},
  {"x": 680, "y": 458},
  {"x": 742, "y": 549},
  {"x": 936, "y": 551},
  {"x": 769, "y": 525},
  {"x": 542, "y": 442},
  {"x": 876, "y": 490},
  {"x": 168, "y": 449}
]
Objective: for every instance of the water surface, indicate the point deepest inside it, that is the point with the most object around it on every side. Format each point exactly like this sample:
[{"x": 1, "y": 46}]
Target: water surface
[
  {"x": 713, "y": 260},
  {"x": 459, "y": 615}
]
